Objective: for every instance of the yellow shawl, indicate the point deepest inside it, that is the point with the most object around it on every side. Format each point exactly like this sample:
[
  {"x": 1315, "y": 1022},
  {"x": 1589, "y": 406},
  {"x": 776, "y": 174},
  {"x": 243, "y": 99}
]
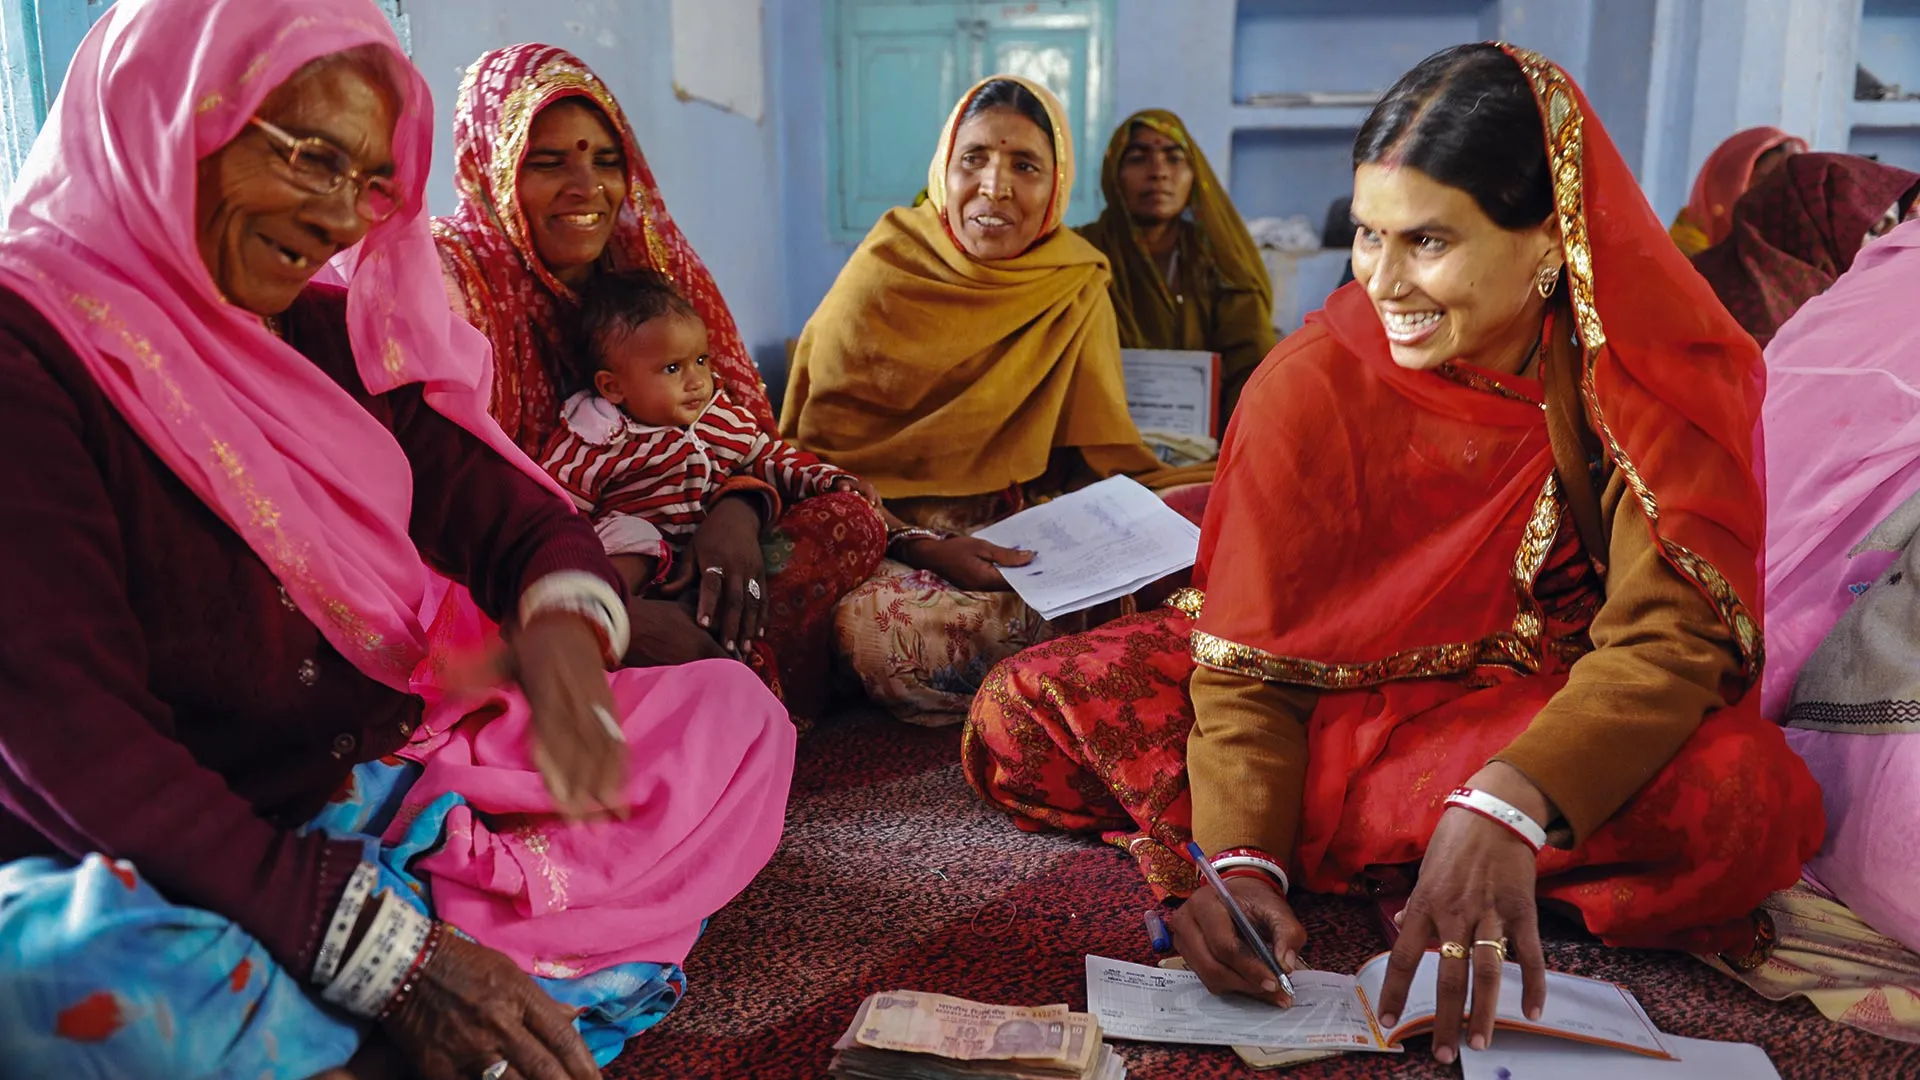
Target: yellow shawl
[
  {"x": 1228, "y": 308},
  {"x": 931, "y": 373}
]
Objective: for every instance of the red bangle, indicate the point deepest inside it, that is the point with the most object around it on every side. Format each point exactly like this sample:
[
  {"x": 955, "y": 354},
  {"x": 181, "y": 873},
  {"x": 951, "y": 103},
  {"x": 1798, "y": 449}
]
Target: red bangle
[{"x": 1232, "y": 872}]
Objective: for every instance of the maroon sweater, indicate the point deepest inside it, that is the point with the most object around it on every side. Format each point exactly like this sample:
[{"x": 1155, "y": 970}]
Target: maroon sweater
[{"x": 161, "y": 700}]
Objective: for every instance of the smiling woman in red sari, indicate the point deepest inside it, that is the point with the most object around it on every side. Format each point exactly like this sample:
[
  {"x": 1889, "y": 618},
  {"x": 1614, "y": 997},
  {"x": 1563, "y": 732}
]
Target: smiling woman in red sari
[
  {"x": 553, "y": 191},
  {"x": 1491, "y": 521}
]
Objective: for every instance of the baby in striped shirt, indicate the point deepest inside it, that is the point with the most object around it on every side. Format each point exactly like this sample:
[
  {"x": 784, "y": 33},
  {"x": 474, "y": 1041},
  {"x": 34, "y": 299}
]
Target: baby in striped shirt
[{"x": 652, "y": 440}]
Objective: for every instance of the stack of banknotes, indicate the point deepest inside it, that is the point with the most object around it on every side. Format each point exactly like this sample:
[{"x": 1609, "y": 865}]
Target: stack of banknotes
[{"x": 908, "y": 1035}]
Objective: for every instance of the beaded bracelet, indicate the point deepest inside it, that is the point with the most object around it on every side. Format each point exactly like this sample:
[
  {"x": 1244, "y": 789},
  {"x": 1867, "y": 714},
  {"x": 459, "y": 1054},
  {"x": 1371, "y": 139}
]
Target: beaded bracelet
[
  {"x": 326, "y": 962},
  {"x": 379, "y": 965},
  {"x": 412, "y": 977},
  {"x": 914, "y": 532}
]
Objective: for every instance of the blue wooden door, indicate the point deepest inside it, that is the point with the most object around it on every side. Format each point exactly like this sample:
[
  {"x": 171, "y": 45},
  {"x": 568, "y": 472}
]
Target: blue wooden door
[
  {"x": 37, "y": 41},
  {"x": 1062, "y": 47},
  {"x": 899, "y": 65},
  {"x": 899, "y": 68}
]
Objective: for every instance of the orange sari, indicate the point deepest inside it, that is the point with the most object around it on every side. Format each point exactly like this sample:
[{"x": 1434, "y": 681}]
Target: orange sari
[{"x": 1397, "y": 542}]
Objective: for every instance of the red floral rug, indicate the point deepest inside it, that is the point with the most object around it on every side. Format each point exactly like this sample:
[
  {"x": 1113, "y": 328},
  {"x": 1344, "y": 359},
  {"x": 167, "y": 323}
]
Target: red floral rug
[{"x": 892, "y": 875}]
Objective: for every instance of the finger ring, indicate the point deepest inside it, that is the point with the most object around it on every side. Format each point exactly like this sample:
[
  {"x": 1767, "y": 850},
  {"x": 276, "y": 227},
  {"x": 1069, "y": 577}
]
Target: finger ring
[
  {"x": 494, "y": 1071},
  {"x": 753, "y": 588},
  {"x": 1499, "y": 947},
  {"x": 607, "y": 721},
  {"x": 1453, "y": 950},
  {"x": 721, "y": 570}
]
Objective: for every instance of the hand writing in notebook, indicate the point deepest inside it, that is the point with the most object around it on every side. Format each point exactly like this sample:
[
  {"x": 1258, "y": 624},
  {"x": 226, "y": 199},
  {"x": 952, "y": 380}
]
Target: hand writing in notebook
[
  {"x": 1203, "y": 934},
  {"x": 1476, "y": 886}
]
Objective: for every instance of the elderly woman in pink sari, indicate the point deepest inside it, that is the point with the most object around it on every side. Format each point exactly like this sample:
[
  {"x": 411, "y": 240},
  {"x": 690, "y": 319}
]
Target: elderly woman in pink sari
[
  {"x": 1843, "y": 565},
  {"x": 228, "y": 491}
]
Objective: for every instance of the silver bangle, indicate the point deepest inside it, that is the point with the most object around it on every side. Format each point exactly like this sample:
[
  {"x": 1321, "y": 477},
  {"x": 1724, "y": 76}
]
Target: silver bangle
[
  {"x": 379, "y": 965},
  {"x": 577, "y": 592},
  {"x": 326, "y": 962}
]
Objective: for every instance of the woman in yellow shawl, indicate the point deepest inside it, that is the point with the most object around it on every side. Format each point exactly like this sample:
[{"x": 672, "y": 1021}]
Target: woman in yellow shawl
[
  {"x": 967, "y": 364},
  {"x": 1186, "y": 274}
]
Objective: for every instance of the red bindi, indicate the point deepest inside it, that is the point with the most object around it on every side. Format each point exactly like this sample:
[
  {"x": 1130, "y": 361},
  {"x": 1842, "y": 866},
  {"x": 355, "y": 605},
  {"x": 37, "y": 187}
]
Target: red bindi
[{"x": 581, "y": 145}]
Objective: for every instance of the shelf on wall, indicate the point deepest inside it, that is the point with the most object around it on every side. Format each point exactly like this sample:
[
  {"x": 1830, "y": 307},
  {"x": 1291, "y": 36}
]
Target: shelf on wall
[
  {"x": 1884, "y": 114},
  {"x": 1298, "y": 117},
  {"x": 1299, "y": 45}
]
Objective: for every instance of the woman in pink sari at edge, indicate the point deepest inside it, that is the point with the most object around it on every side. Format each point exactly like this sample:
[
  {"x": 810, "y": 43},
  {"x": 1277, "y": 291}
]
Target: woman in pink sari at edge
[
  {"x": 1843, "y": 471},
  {"x": 225, "y": 486}
]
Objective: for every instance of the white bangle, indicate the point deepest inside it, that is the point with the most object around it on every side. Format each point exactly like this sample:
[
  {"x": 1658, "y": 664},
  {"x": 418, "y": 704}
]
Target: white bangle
[
  {"x": 1267, "y": 865},
  {"x": 345, "y": 914},
  {"x": 373, "y": 974},
  {"x": 1500, "y": 811},
  {"x": 577, "y": 592}
]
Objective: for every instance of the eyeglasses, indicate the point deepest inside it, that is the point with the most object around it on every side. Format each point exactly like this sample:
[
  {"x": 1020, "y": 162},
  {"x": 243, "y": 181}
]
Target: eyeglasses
[{"x": 318, "y": 166}]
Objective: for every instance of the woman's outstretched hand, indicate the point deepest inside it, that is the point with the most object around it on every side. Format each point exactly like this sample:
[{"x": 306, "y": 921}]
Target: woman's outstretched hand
[
  {"x": 1476, "y": 885},
  {"x": 965, "y": 561},
  {"x": 577, "y": 744},
  {"x": 1204, "y": 935}
]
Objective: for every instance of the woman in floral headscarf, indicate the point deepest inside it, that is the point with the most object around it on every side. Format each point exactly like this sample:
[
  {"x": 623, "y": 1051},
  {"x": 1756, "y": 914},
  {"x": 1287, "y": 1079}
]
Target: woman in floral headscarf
[{"x": 553, "y": 189}]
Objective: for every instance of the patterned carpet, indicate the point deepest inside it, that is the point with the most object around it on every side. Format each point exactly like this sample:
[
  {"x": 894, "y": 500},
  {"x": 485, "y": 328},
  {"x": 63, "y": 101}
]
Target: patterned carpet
[{"x": 892, "y": 875}]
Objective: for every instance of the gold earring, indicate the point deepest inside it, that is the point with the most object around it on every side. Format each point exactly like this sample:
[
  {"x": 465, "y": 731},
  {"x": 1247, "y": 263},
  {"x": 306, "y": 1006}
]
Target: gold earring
[{"x": 1547, "y": 280}]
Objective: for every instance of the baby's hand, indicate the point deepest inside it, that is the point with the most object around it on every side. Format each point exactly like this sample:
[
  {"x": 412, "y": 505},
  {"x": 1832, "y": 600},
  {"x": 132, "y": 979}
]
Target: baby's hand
[{"x": 859, "y": 487}]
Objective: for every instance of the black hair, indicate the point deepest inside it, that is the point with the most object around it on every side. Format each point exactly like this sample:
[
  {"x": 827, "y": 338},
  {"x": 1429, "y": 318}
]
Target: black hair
[
  {"x": 1007, "y": 94},
  {"x": 618, "y": 302},
  {"x": 1466, "y": 116}
]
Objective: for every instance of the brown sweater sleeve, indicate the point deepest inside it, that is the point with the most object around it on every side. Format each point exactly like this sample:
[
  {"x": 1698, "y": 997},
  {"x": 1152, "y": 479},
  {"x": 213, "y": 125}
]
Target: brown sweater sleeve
[
  {"x": 1660, "y": 660},
  {"x": 1247, "y": 761}
]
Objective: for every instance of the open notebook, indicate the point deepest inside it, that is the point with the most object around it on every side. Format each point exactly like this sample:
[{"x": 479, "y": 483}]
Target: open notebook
[{"x": 1337, "y": 1012}]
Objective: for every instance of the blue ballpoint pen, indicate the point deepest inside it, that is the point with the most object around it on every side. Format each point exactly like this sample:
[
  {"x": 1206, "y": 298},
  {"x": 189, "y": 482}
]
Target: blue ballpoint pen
[{"x": 1244, "y": 925}]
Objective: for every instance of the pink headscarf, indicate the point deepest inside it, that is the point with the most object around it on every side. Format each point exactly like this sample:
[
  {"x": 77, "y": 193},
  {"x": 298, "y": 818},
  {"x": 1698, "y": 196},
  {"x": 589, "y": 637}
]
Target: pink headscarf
[
  {"x": 1842, "y": 423},
  {"x": 102, "y": 240},
  {"x": 1727, "y": 175}
]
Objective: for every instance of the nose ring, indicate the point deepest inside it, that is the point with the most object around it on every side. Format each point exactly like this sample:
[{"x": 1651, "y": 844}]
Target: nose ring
[{"x": 1399, "y": 290}]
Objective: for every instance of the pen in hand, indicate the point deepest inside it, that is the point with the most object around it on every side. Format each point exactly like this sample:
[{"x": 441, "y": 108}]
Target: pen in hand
[{"x": 1248, "y": 932}]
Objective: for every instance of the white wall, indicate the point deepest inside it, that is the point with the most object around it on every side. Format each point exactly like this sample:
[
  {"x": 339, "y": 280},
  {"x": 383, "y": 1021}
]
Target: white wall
[{"x": 719, "y": 172}]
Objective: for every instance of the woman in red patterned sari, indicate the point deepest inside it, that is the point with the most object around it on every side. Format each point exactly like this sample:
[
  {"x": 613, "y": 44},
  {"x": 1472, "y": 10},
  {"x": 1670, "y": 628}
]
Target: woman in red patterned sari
[
  {"x": 1480, "y": 573},
  {"x": 553, "y": 189}
]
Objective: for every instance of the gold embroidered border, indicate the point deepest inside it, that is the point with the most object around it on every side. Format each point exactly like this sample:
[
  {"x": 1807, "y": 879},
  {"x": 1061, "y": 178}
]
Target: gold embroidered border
[
  {"x": 287, "y": 558},
  {"x": 1486, "y": 384},
  {"x": 548, "y": 83},
  {"x": 1519, "y": 648},
  {"x": 1565, "y": 156}
]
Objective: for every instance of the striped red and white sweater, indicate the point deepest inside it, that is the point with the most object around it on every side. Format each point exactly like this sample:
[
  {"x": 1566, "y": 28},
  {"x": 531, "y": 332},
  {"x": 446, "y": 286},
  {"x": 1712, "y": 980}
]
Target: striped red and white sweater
[{"x": 613, "y": 465}]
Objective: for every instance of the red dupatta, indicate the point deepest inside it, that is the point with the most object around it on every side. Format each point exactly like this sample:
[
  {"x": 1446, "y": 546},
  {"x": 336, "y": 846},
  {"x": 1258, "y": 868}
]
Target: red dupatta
[
  {"x": 510, "y": 295},
  {"x": 1372, "y": 524},
  {"x": 1796, "y": 232}
]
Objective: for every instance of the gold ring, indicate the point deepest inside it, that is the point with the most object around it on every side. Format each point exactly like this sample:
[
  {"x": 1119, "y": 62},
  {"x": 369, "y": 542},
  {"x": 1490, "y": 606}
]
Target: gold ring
[
  {"x": 1453, "y": 950},
  {"x": 1497, "y": 946}
]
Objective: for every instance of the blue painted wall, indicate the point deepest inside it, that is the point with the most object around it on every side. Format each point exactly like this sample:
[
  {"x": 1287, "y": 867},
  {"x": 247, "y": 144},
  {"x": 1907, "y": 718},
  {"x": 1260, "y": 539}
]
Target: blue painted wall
[{"x": 720, "y": 172}]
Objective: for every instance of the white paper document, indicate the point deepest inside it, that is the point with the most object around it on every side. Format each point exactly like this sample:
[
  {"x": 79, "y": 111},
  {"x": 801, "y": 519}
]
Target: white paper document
[
  {"x": 1093, "y": 545},
  {"x": 1171, "y": 390},
  {"x": 1587, "y": 1010},
  {"x": 1150, "y": 1004},
  {"x": 1517, "y": 1055}
]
